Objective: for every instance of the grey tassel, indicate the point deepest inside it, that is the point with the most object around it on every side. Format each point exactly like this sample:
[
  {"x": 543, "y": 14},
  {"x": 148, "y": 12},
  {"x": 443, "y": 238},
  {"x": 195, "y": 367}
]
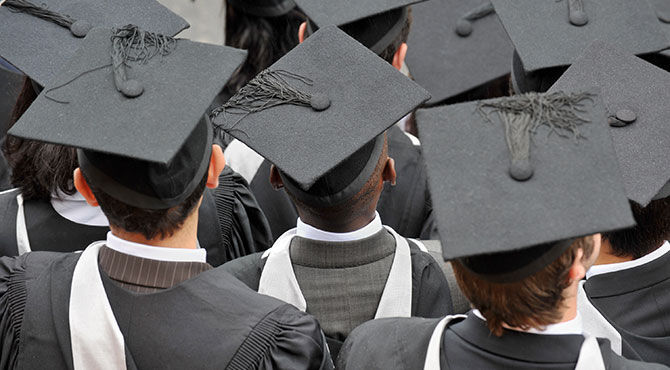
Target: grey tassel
[{"x": 77, "y": 28}]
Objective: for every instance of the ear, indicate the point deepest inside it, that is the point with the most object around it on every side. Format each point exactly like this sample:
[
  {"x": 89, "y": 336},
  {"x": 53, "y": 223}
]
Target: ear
[
  {"x": 82, "y": 187},
  {"x": 578, "y": 269},
  {"x": 275, "y": 178},
  {"x": 216, "y": 164},
  {"x": 389, "y": 174},
  {"x": 399, "y": 56},
  {"x": 301, "y": 31}
]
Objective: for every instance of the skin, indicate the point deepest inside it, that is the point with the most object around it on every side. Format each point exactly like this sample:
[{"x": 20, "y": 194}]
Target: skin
[
  {"x": 186, "y": 236},
  {"x": 607, "y": 256}
]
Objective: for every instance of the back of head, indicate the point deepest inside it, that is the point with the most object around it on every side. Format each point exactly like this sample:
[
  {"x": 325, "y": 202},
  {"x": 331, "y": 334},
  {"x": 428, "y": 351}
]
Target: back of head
[{"x": 652, "y": 229}]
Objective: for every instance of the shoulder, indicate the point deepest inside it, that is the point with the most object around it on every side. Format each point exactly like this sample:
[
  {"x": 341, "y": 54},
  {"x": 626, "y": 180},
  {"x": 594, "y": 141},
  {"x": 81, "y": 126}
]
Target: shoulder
[
  {"x": 615, "y": 362},
  {"x": 404, "y": 343},
  {"x": 247, "y": 269}
]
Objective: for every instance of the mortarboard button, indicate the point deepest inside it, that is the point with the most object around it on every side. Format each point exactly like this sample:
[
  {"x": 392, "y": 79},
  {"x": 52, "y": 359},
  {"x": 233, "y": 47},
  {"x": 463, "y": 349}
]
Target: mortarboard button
[
  {"x": 622, "y": 117},
  {"x": 464, "y": 25},
  {"x": 80, "y": 28},
  {"x": 577, "y": 16},
  {"x": 319, "y": 102}
]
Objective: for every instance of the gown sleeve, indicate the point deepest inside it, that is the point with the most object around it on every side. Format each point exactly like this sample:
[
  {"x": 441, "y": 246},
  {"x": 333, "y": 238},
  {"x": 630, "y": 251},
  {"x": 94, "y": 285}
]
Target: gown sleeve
[
  {"x": 12, "y": 303},
  {"x": 285, "y": 339},
  {"x": 432, "y": 296}
]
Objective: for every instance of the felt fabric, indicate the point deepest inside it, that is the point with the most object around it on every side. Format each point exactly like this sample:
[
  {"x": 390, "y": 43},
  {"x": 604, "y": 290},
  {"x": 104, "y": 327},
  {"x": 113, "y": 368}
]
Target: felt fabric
[
  {"x": 340, "y": 12},
  {"x": 40, "y": 48},
  {"x": 263, "y": 8},
  {"x": 544, "y": 37},
  {"x": 575, "y": 188},
  {"x": 629, "y": 83},
  {"x": 447, "y": 64}
]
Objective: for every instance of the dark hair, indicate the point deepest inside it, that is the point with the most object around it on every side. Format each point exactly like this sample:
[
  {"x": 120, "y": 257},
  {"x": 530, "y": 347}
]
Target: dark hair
[
  {"x": 388, "y": 53},
  {"x": 533, "y": 302},
  {"x": 38, "y": 169},
  {"x": 148, "y": 222},
  {"x": 265, "y": 38},
  {"x": 653, "y": 227}
]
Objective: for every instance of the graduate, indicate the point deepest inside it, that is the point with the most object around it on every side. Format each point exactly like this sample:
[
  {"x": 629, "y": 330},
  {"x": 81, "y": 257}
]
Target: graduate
[
  {"x": 382, "y": 26},
  {"x": 144, "y": 297},
  {"x": 627, "y": 292},
  {"x": 324, "y": 135},
  {"x": 522, "y": 206}
]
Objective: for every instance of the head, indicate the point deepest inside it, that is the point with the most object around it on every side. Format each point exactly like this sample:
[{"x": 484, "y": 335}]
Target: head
[
  {"x": 394, "y": 53},
  {"x": 535, "y": 301},
  {"x": 38, "y": 169},
  {"x": 652, "y": 229},
  {"x": 351, "y": 213},
  {"x": 151, "y": 224},
  {"x": 266, "y": 38}
]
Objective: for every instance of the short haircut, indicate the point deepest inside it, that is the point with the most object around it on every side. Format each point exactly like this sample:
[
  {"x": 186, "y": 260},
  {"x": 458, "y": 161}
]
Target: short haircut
[
  {"x": 151, "y": 223},
  {"x": 388, "y": 53},
  {"x": 653, "y": 227},
  {"x": 533, "y": 302}
]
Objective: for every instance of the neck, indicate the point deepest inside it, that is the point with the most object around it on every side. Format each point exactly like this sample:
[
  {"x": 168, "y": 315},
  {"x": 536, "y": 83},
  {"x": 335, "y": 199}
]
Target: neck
[
  {"x": 185, "y": 237},
  {"x": 567, "y": 308},
  {"x": 607, "y": 256},
  {"x": 337, "y": 224}
]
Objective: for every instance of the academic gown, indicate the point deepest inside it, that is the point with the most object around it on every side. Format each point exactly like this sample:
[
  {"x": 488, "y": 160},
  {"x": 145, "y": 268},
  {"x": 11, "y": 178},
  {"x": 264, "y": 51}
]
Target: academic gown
[
  {"x": 430, "y": 290},
  {"x": 466, "y": 343},
  {"x": 209, "y": 321},
  {"x": 230, "y": 225},
  {"x": 636, "y": 301},
  {"x": 406, "y": 207}
]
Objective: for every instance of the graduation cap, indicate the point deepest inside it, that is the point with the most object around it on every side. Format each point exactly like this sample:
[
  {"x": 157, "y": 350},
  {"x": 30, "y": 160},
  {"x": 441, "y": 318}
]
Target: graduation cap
[
  {"x": 374, "y": 23},
  {"x": 549, "y": 34},
  {"x": 40, "y": 36},
  {"x": 263, "y": 8},
  {"x": 636, "y": 96},
  {"x": 318, "y": 113},
  {"x": 456, "y": 46},
  {"x": 515, "y": 179},
  {"x": 133, "y": 102}
]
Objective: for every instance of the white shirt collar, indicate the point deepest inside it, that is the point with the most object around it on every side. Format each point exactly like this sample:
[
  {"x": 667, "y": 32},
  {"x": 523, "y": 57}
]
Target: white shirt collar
[
  {"x": 155, "y": 253},
  {"x": 310, "y": 232},
  {"x": 573, "y": 326},
  {"x": 613, "y": 267},
  {"x": 74, "y": 208}
]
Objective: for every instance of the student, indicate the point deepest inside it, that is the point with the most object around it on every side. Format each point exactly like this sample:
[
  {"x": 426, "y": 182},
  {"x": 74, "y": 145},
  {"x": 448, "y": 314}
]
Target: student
[
  {"x": 328, "y": 148},
  {"x": 522, "y": 207},
  {"x": 384, "y": 28},
  {"x": 628, "y": 290},
  {"x": 144, "y": 297}
]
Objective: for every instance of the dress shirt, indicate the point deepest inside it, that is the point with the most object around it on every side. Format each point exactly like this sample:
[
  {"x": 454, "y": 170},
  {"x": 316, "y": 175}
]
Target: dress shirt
[
  {"x": 155, "y": 253},
  {"x": 310, "y": 232},
  {"x": 613, "y": 267},
  {"x": 75, "y": 208}
]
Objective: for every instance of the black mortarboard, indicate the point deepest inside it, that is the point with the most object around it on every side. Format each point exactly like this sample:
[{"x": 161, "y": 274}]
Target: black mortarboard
[
  {"x": 39, "y": 35},
  {"x": 514, "y": 179},
  {"x": 151, "y": 150},
  {"x": 263, "y": 8},
  {"x": 374, "y": 23},
  {"x": 324, "y": 103},
  {"x": 456, "y": 46},
  {"x": 549, "y": 34},
  {"x": 636, "y": 96}
]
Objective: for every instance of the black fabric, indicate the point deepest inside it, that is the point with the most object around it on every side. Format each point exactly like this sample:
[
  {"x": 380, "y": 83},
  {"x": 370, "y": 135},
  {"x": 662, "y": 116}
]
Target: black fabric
[
  {"x": 636, "y": 302},
  {"x": 466, "y": 344},
  {"x": 196, "y": 324},
  {"x": 263, "y": 8}
]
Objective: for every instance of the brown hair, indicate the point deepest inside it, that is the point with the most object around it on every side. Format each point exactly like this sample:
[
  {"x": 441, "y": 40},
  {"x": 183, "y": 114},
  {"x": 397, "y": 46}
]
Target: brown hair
[{"x": 533, "y": 302}]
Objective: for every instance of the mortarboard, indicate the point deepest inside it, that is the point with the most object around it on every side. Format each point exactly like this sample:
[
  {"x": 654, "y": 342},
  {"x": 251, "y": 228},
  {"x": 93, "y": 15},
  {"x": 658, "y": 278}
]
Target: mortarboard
[
  {"x": 636, "y": 96},
  {"x": 134, "y": 102},
  {"x": 548, "y": 34},
  {"x": 263, "y": 8},
  {"x": 456, "y": 46},
  {"x": 40, "y": 36},
  {"x": 323, "y": 104},
  {"x": 514, "y": 179},
  {"x": 374, "y": 23}
]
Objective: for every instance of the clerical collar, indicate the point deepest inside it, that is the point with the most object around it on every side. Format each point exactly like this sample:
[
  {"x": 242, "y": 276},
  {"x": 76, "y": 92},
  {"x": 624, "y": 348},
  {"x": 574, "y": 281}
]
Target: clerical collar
[
  {"x": 310, "y": 232},
  {"x": 155, "y": 253},
  {"x": 572, "y": 327},
  {"x": 613, "y": 267},
  {"x": 75, "y": 208}
]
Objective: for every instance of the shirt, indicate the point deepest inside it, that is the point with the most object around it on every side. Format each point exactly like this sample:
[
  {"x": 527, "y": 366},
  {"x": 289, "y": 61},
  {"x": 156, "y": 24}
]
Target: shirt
[
  {"x": 613, "y": 267},
  {"x": 310, "y": 232}
]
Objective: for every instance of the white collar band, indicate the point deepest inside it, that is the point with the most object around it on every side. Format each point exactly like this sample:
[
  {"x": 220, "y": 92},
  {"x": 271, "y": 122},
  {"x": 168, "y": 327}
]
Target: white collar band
[
  {"x": 155, "y": 253},
  {"x": 304, "y": 230}
]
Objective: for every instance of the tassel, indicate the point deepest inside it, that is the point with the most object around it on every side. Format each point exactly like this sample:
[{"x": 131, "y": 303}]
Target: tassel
[{"x": 77, "y": 28}]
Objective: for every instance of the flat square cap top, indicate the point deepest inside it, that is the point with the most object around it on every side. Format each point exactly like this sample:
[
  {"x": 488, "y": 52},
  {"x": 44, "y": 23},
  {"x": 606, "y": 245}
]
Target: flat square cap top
[
  {"x": 40, "y": 48},
  {"x": 630, "y": 87},
  {"x": 342, "y": 96},
  {"x": 547, "y": 33},
  {"x": 455, "y": 46},
  {"x": 340, "y": 12},
  {"x": 82, "y": 108},
  {"x": 574, "y": 188}
]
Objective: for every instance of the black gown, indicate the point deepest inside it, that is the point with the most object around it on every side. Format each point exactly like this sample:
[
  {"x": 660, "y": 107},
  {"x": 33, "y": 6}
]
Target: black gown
[
  {"x": 401, "y": 343},
  {"x": 406, "y": 207},
  {"x": 230, "y": 224},
  {"x": 209, "y": 321},
  {"x": 636, "y": 302}
]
